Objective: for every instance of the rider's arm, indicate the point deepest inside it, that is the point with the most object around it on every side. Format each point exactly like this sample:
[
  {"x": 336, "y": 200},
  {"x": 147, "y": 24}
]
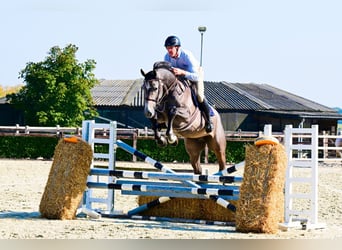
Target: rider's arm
[
  {"x": 186, "y": 65},
  {"x": 192, "y": 66}
]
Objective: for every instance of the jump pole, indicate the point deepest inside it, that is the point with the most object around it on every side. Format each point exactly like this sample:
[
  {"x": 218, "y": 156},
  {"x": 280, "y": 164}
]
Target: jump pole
[
  {"x": 222, "y": 202},
  {"x": 166, "y": 176},
  {"x": 165, "y": 188},
  {"x": 231, "y": 169},
  {"x": 169, "y": 219}
]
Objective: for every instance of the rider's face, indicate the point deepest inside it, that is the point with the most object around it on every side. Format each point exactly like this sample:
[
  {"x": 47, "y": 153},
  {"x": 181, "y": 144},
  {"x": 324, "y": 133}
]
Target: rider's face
[{"x": 172, "y": 51}]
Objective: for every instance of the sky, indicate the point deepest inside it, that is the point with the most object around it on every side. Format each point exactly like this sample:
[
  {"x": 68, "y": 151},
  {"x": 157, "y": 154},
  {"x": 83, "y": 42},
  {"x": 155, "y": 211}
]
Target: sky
[{"x": 294, "y": 45}]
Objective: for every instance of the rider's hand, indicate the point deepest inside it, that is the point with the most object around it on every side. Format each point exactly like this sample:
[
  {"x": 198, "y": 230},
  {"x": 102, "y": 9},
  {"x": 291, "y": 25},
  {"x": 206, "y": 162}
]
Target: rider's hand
[{"x": 178, "y": 71}]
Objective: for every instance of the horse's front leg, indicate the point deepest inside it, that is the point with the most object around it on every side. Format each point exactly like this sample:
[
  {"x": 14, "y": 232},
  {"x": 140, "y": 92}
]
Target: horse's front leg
[
  {"x": 171, "y": 137},
  {"x": 160, "y": 140}
]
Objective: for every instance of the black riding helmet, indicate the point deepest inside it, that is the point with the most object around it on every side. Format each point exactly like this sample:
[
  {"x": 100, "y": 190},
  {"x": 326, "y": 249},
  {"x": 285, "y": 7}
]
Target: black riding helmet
[{"x": 172, "y": 41}]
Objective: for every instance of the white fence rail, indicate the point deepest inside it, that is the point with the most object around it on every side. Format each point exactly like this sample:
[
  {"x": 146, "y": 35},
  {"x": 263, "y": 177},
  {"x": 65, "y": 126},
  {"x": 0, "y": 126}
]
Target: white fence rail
[
  {"x": 328, "y": 151},
  {"x": 26, "y": 130}
]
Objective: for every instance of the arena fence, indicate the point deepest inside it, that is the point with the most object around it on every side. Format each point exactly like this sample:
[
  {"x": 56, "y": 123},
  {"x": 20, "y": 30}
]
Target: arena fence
[{"x": 302, "y": 151}]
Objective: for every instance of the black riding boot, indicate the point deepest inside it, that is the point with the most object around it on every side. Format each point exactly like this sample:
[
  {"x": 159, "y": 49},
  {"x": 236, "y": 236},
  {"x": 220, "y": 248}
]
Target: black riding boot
[{"x": 204, "y": 107}]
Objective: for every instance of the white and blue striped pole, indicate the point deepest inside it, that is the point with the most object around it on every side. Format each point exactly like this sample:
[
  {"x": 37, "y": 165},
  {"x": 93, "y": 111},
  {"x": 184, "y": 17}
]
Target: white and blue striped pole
[
  {"x": 166, "y": 176},
  {"x": 160, "y": 166}
]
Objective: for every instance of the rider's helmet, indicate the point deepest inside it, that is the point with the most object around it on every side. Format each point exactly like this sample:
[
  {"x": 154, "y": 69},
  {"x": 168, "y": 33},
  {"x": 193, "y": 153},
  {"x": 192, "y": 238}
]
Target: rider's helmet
[{"x": 172, "y": 41}]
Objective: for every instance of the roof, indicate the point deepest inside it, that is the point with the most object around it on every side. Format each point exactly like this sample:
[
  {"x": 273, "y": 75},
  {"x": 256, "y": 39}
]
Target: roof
[
  {"x": 242, "y": 97},
  {"x": 3, "y": 100},
  {"x": 117, "y": 92}
]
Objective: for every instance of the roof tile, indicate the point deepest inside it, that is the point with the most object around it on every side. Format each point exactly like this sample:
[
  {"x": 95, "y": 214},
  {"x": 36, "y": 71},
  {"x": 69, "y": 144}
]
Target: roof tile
[{"x": 223, "y": 95}]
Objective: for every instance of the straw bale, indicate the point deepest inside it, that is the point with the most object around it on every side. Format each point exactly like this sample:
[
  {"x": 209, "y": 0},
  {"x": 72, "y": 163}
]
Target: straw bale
[
  {"x": 67, "y": 180},
  {"x": 261, "y": 203},
  {"x": 196, "y": 209}
]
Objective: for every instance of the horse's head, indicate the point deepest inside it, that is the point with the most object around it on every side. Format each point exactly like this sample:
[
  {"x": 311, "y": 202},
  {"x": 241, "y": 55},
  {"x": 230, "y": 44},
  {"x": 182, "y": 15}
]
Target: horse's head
[
  {"x": 152, "y": 88},
  {"x": 155, "y": 87}
]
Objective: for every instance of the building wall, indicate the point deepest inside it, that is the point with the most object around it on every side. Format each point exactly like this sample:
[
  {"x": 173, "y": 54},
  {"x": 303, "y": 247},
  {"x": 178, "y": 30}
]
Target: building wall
[
  {"x": 232, "y": 121},
  {"x": 10, "y": 116},
  {"x": 129, "y": 116}
]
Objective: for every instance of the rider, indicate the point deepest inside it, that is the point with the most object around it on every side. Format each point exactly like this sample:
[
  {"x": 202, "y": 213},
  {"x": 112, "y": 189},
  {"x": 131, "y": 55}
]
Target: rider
[{"x": 185, "y": 66}]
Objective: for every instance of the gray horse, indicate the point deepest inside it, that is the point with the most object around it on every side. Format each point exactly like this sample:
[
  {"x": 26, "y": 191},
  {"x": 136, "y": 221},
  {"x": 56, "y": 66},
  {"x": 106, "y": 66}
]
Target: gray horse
[{"x": 170, "y": 102}]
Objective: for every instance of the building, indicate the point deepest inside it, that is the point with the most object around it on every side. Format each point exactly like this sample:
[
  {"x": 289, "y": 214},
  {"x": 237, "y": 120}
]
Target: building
[
  {"x": 242, "y": 106},
  {"x": 8, "y": 115}
]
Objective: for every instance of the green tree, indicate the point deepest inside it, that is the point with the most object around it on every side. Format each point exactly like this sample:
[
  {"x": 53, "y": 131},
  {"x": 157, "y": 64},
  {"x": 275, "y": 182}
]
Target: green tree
[
  {"x": 6, "y": 90},
  {"x": 57, "y": 90}
]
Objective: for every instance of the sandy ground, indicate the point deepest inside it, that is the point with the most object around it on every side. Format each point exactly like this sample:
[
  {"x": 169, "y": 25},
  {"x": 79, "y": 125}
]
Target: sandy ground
[{"x": 22, "y": 183}]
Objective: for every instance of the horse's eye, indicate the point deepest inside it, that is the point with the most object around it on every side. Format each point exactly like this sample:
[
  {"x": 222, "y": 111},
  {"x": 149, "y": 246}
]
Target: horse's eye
[
  {"x": 146, "y": 85},
  {"x": 152, "y": 85}
]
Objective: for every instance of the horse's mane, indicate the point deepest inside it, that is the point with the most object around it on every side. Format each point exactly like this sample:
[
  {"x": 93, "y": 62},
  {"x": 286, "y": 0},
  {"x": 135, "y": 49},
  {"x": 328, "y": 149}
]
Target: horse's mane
[{"x": 162, "y": 65}]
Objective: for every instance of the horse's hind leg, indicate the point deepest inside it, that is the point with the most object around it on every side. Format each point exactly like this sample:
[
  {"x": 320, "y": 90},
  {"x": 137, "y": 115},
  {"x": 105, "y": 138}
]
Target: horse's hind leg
[
  {"x": 221, "y": 159},
  {"x": 194, "y": 147},
  {"x": 219, "y": 143},
  {"x": 218, "y": 146},
  {"x": 220, "y": 152}
]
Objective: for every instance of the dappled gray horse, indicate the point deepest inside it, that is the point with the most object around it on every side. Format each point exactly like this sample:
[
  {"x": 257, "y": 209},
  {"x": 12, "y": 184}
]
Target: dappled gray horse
[{"x": 169, "y": 102}]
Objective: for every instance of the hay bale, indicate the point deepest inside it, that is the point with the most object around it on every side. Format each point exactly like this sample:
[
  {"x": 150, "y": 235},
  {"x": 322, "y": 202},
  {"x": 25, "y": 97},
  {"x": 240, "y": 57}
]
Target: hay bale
[
  {"x": 212, "y": 211},
  {"x": 67, "y": 179},
  {"x": 261, "y": 203},
  {"x": 196, "y": 209}
]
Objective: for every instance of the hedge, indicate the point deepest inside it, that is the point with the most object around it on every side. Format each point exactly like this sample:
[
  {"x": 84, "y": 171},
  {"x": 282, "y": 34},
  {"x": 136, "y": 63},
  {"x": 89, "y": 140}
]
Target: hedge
[{"x": 21, "y": 147}]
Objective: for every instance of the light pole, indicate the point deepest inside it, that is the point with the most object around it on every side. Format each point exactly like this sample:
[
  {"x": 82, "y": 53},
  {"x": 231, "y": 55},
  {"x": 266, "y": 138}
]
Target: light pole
[{"x": 201, "y": 29}]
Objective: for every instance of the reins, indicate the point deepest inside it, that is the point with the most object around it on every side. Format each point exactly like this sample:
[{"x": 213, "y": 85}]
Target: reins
[
  {"x": 169, "y": 89},
  {"x": 166, "y": 91}
]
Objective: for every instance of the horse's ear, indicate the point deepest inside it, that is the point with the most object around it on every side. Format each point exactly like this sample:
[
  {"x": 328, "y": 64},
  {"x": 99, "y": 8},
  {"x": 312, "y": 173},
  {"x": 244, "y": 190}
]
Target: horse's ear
[{"x": 142, "y": 72}]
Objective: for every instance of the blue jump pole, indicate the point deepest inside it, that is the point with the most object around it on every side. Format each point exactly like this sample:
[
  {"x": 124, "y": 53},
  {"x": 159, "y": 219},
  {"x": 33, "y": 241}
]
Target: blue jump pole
[
  {"x": 160, "y": 166},
  {"x": 168, "y": 219},
  {"x": 166, "y": 188},
  {"x": 231, "y": 169},
  {"x": 166, "y": 176}
]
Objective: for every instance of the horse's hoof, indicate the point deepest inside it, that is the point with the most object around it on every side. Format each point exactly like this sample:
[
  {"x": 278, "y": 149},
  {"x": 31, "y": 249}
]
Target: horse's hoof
[
  {"x": 172, "y": 139},
  {"x": 162, "y": 142},
  {"x": 174, "y": 144}
]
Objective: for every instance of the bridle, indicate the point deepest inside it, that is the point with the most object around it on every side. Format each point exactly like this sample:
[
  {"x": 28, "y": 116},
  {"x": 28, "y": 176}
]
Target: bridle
[{"x": 166, "y": 90}]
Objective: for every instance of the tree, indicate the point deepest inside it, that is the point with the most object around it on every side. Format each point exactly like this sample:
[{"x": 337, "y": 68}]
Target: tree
[
  {"x": 9, "y": 90},
  {"x": 57, "y": 90}
]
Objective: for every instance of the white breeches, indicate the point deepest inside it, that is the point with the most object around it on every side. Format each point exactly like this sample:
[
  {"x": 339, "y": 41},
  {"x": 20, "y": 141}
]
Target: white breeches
[{"x": 200, "y": 85}]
